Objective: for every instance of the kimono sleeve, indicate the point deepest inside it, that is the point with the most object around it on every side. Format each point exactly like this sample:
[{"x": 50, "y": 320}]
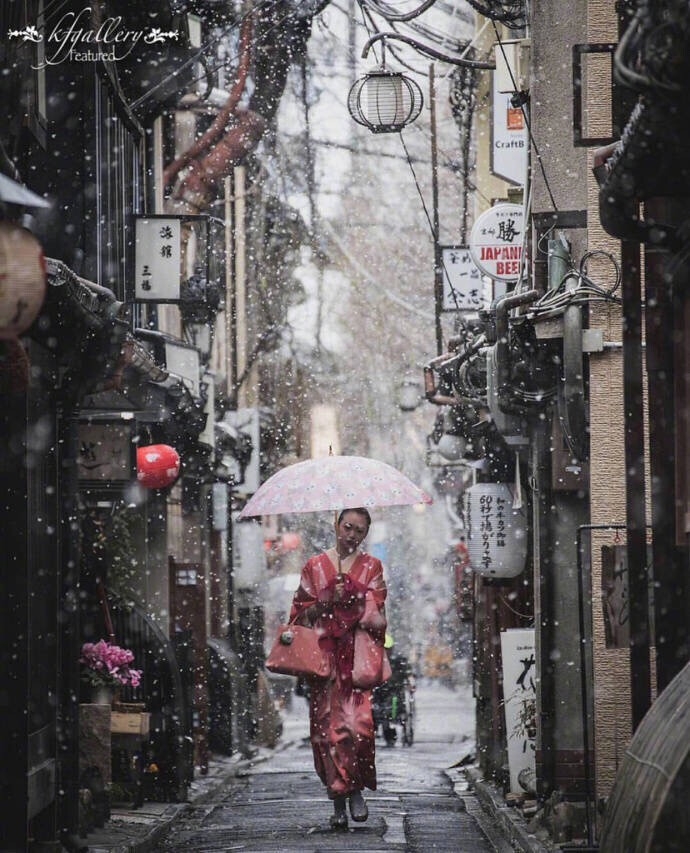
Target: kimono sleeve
[
  {"x": 374, "y": 616},
  {"x": 306, "y": 594}
]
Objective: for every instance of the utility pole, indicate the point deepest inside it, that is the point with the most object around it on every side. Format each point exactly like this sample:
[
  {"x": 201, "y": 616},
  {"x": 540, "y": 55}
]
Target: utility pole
[{"x": 438, "y": 263}]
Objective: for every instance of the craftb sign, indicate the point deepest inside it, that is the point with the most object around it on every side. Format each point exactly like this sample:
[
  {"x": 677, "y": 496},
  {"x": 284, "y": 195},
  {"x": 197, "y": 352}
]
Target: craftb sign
[
  {"x": 496, "y": 242},
  {"x": 497, "y": 532}
]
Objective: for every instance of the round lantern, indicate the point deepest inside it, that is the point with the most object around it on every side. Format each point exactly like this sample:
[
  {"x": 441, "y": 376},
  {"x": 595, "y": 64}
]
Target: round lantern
[
  {"x": 385, "y": 101},
  {"x": 290, "y": 540},
  {"x": 497, "y": 533},
  {"x": 158, "y": 466},
  {"x": 22, "y": 279}
]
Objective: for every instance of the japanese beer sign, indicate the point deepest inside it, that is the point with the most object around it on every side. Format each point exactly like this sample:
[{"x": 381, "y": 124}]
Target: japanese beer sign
[
  {"x": 496, "y": 241},
  {"x": 463, "y": 288},
  {"x": 157, "y": 260},
  {"x": 519, "y": 701},
  {"x": 508, "y": 137},
  {"x": 496, "y": 531}
]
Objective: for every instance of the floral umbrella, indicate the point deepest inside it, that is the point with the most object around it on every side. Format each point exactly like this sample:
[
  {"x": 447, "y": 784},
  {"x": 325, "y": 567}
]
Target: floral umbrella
[{"x": 333, "y": 483}]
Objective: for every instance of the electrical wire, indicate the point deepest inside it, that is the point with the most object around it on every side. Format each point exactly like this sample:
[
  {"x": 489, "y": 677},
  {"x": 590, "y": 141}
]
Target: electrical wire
[
  {"x": 509, "y": 12},
  {"x": 434, "y": 235},
  {"x": 390, "y": 14},
  {"x": 557, "y": 299},
  {"x": 266, "y": 4}
]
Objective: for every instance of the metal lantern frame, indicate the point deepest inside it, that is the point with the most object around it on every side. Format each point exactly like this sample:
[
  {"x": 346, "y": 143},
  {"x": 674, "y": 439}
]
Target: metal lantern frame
[{"x": 408, "y": 108}]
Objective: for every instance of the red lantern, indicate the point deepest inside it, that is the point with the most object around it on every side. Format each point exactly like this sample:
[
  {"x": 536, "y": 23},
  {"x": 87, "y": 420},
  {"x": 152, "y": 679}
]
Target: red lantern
[
  {"x": 289, "y": 541},
  {"x": 22, "y": 279},
  {"x": 157, "y": 466}
]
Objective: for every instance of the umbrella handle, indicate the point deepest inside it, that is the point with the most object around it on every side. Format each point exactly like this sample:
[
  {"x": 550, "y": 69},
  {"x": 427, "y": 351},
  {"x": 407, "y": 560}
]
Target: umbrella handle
[{"x": 335, "y": 525}]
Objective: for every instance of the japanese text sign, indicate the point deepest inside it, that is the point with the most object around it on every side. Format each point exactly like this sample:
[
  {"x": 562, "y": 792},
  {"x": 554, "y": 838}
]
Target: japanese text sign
[
  {"x": 157, "y": 259},
  {"x": 463, "y": 287},
  {"x": 519, "y": 701},
  {"x": 496, "y": 241},
  {"x": 497, "y": 532}
]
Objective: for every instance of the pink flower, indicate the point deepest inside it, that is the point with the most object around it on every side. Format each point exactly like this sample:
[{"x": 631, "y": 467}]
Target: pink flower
[{"x": 108, "y": 664}]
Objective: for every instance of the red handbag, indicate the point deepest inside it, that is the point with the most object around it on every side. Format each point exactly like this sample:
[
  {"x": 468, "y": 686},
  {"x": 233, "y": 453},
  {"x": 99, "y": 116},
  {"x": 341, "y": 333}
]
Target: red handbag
[
  {"x": 296, "y": 651},
  {"x": 371, "y": 666}
]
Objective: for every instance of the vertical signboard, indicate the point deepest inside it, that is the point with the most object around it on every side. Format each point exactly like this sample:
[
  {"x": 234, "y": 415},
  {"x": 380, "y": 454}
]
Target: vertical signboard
[
  {"x": 508, "y": 138},
  {"x": 158, "y": 252},
  {"x": 463, "y": 288},
  {"x": 519, "y": 701}
]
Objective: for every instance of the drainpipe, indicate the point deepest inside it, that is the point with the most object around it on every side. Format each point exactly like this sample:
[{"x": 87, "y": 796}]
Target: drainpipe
[
  {"x": 503, "y": 307},
  {"x": 664, "y": 334},
  {"x": 635, "y": 487}
]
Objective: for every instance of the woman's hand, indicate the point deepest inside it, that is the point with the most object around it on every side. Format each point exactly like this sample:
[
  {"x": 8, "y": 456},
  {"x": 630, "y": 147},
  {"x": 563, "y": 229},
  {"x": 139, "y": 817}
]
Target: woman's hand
[{"x": 339, "y": 591}]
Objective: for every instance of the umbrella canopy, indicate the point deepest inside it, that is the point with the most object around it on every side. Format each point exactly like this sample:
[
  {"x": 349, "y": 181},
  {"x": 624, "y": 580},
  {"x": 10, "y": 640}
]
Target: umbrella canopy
[
  {"x": 14, "y": 193},
  {"x": 333, "y": 483}
]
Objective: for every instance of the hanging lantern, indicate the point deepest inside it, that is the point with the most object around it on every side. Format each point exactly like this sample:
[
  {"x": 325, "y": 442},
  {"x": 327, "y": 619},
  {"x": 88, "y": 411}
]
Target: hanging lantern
[
  {"x": 158, "y": 466},
  {"x": 22, "y": 279},
  {"x": 385, "y": 101},
  {"x": 290, "y": 540},
  {"x": 497, "y": 533}
]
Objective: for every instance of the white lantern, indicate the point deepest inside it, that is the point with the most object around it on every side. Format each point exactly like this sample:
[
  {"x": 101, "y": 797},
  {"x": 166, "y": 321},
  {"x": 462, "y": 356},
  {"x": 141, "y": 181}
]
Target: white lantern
[
  {"x": 385, "y": 101},
  {"x": 22, "y": 279},
  {"x": 451, "y": 447},
  {"x": 497, "y": 533}
]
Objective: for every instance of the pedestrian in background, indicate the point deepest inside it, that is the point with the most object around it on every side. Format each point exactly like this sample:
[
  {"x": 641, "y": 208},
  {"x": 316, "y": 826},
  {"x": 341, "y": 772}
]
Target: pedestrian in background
[{"x": 340, "y": 590}]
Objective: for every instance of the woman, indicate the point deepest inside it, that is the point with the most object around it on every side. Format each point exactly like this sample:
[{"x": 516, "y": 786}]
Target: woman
[{"x": 342, "y": 729}]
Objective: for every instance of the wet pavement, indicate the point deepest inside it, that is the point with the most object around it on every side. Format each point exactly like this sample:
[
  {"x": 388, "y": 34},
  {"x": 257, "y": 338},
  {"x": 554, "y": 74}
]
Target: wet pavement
[{"x": 280, "y": 805}]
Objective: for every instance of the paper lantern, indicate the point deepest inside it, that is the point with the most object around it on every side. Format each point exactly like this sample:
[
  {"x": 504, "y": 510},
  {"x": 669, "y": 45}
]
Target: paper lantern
[
  {"x": 22, "y": 279},
  {"x": 290, "y": 540},
  {"x": 497, "y": 533},
  {"x": 157, "y": 466}
]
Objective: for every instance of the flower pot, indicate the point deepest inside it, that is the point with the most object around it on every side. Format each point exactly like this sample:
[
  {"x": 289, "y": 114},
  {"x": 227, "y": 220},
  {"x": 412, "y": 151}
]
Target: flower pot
[{"x": 102, "y": 695}]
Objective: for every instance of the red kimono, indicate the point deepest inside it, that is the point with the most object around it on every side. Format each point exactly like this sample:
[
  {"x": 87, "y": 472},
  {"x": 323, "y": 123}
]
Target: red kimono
[{"x": 341, "y": 725}]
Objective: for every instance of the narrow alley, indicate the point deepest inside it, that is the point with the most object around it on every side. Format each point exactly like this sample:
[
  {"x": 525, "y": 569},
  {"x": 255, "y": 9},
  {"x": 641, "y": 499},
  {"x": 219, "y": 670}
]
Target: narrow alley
[{"x": 281, "y": 805}]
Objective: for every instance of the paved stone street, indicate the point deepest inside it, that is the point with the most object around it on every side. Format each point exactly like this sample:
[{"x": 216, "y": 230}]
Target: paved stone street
[{"x": 280, "y": 805}]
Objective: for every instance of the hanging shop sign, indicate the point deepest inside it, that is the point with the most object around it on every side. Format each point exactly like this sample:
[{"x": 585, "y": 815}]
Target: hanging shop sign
[
  {"x": 158, "y": 466},
  {"x": 178, "y": 258},
  {"x": 106, "y": 452},
  {"x": 158, "y": 259},
  {"x": 519, "y": 702},
  {"x": 22, "y": 279},
  {"x": 463, "y": 288},
  {"x": 497, "y": 532},
  {"x": 508, "y": 137},
  {"x": 496, "y": 241}
]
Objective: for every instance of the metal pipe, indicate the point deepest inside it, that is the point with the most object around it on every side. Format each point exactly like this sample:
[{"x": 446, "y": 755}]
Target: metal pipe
[
  {"x": 430, "y": 390},
  {"x": 427, "y": 51},
  {"x": 584, "y": 692},
  {"x": 503, "y": 306},
  {"x": 635, "y": 486},
  {"x": 665, "y": 290}
]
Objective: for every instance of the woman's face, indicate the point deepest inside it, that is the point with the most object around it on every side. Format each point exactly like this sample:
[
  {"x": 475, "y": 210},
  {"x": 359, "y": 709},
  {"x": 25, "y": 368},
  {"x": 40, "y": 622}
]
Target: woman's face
[{"x": 351, "y": 531}]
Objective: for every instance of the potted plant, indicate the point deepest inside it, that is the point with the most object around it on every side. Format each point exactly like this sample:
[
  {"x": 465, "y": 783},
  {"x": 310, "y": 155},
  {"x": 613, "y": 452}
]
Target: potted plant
[{"x": 105, "y": 668}]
